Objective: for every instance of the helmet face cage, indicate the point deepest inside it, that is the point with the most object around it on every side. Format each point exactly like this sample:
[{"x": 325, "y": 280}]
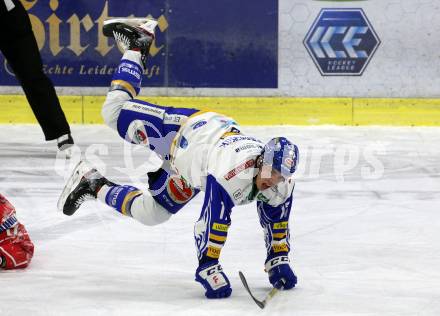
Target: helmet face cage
[{"x": 281, "y": 155}]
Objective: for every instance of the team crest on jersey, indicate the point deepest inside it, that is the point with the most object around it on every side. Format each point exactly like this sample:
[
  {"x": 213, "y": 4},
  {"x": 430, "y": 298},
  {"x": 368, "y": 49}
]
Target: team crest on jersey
[
  {"x": 245, "y": 165},
  {"x": 137, "y": 132},
  {"x": 179, "y": 190},
  {"x": 141, "y": 137}
]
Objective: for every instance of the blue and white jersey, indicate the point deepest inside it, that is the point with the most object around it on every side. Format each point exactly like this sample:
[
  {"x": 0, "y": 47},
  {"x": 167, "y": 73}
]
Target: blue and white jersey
[
  {"x": 212, "y": 155},
  {"x": 210, "y": 144},
  {"x": 194, "y": 143}
]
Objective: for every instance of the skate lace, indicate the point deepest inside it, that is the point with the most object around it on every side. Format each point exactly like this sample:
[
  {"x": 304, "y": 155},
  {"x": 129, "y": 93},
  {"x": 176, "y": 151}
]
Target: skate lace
[
  {"x": 122, "y": 40},
  {"x": 82, "y": 198}
]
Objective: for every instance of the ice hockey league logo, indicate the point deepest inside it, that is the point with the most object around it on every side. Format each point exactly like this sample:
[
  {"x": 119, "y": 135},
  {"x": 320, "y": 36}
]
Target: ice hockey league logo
[{"x": 341, "y": 42}]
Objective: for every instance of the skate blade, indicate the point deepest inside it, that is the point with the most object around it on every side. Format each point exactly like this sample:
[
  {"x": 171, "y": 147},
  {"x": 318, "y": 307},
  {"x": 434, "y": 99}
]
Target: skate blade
[{"x": 129, "y": 21}]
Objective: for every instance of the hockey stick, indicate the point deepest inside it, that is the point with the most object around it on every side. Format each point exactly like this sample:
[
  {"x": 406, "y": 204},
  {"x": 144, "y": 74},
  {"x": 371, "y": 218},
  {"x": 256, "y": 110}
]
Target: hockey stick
[{"x": 268, "y": 297}]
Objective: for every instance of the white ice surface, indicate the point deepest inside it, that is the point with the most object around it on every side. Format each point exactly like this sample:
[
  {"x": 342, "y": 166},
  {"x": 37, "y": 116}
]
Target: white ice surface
[{"x": 363, "y": 244}]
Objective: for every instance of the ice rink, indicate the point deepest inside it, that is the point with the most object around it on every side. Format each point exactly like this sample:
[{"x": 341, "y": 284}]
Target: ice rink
[{"x": 365, "y": 231}]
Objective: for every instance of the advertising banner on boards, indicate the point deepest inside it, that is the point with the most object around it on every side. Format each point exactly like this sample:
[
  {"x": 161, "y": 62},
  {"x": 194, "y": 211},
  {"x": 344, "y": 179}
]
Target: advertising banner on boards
[{"x": 227, "y": 44}]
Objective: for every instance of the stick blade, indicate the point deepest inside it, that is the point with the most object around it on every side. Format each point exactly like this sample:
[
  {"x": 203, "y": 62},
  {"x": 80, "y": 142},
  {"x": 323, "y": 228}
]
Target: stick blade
[{"x": 246, "y": 286}]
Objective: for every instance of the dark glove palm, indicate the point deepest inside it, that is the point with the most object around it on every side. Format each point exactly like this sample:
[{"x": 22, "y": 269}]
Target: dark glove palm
[{"x": 282, "y": 277}]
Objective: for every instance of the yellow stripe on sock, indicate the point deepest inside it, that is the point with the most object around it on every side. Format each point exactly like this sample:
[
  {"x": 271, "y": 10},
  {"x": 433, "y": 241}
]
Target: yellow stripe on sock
[
  {"x": 125, "y": 85},
  {"x": 279, "y": 235},
  {"x": 128, "y": 198},
  {"x": 217, "y": 237}
]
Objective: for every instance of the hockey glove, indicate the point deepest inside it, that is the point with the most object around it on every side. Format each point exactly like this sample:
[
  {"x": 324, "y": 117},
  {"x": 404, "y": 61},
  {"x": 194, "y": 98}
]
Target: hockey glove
[
  {"x": 16, "y": 248},
  {"x": 281, "y": 275},
  {"x": 16, "y": 255},
  {"x": 211, "y": 276}
]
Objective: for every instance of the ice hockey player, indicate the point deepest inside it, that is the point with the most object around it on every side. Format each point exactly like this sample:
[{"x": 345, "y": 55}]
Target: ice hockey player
[
  {"x": 201, "y": 151},
  {"x": 16, "y": 248}
]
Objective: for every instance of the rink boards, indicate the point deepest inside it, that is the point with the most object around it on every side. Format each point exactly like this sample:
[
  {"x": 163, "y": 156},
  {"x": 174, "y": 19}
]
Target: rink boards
[{"x": 256, "y": 111}]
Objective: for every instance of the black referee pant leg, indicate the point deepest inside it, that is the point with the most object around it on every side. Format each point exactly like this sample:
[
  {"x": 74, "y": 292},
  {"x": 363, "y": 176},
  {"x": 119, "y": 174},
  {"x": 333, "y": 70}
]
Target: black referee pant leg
[{"x": 21, "y": 52}]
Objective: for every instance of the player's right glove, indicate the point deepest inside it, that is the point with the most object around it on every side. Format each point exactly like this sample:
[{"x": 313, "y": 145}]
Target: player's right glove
[
  {"x": 213, "y": 279},
  {"x": 281, "y": 275}
]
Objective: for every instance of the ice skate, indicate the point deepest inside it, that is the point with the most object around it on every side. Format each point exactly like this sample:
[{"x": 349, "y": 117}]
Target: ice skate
[
  {"x": 132, "y": 34},
  {"x": 83, "y": 185}
]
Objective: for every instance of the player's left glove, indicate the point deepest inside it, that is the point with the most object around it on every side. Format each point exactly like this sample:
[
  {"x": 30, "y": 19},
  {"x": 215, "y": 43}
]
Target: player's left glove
[
  {"x": 281, "y": 275},
  {"x": 213, "y": 279},
  {"x": 16, "y": 250}
]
